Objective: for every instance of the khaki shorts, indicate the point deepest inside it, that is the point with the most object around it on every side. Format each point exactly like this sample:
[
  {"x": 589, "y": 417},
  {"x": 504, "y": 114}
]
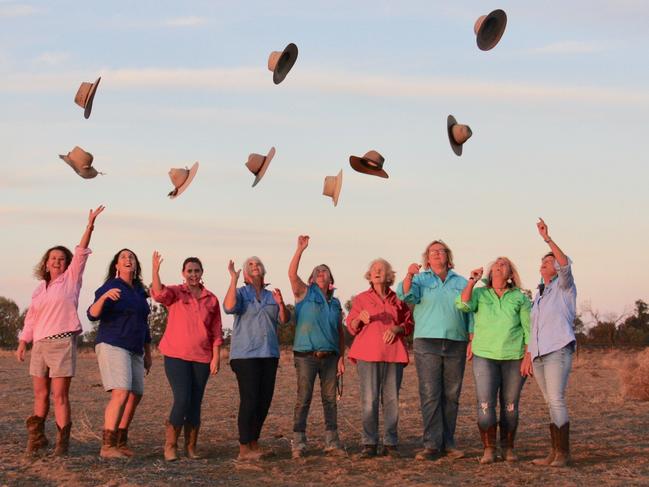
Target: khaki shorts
[
  {"x": 54, "y": 358},
  {"x": 120, "y": 369}
]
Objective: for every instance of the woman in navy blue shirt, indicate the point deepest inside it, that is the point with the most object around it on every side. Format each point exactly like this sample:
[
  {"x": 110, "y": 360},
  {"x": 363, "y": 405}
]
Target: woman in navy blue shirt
[{"x": 122, "y": 347}]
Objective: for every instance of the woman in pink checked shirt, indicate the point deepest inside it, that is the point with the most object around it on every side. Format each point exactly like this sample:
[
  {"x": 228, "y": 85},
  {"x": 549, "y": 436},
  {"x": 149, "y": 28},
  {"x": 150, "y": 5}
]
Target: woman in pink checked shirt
[
  {"x": 380, "y": 321},
  {"x": 52, "y": 324}
]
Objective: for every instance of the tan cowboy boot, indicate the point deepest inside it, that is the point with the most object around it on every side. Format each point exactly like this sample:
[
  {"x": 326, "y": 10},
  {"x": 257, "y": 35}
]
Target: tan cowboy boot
[
  {"x": 62, "y": 440},
  {"x": 36, "y": 431},
  {"x": 191, "y": 437},
  {"x": 122, "y": 442},
  {"x": 488, "y": 437},
  {"x": 507, "y": 444},
  {"x": 553, "y": 450},
  {"x": 109, "y": 446},
  {"x": 171, "y": 442}
]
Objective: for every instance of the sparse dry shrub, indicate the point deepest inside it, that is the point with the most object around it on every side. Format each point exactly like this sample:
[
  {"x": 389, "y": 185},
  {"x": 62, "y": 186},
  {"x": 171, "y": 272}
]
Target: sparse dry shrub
[{"x": 634, "y": 376}]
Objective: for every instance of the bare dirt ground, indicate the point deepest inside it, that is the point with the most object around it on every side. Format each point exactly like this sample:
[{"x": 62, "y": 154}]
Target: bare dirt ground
[{"x": 609, "y": 436}]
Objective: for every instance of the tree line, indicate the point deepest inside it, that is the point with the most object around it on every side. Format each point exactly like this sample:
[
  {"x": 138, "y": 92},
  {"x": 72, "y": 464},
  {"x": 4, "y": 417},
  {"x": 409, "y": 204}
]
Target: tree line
[{"x": 591, "y": 327}]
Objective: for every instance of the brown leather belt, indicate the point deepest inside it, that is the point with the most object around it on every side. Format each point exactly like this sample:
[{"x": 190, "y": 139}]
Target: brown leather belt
[{"x": 318, "y": 354}]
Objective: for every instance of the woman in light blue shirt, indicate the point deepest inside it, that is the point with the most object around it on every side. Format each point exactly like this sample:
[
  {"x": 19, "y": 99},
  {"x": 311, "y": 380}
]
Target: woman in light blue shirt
[
  {"x": 552, "y": 343},
  {"x": 254, "y": 349}
]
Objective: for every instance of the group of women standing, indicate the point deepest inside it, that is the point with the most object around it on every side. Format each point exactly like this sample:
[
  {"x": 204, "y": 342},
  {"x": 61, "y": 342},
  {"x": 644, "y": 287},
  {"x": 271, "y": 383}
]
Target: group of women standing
[{"x": 507, "y": 338}]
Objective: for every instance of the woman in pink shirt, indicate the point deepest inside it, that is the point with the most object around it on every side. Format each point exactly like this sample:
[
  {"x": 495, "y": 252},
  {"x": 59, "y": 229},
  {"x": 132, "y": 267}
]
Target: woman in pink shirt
[
  {"x": 379, "y": 321},
  {"x": 191, "y": 348},
  {"x": 52, "y": 324}
]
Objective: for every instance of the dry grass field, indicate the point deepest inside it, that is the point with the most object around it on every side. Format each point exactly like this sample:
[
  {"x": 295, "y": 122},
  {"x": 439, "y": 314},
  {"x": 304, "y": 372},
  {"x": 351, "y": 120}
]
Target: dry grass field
[{"x": 610, "y": 436}]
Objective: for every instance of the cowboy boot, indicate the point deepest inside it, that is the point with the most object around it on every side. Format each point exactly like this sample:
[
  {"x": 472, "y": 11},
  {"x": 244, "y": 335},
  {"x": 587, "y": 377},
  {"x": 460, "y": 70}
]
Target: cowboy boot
[
  {"x": 109, "y": 446},
  {"x": 171, "y": 442},
  {"x": 507, "y": 444},
  {"x": 36, "y": 431},
  {"x": 488, "y": 437},
  {"x": 562, "y": 458},
  {"x": 122, "y": 442},
  {"x": 191, "y": 437},
  {"x": 62, "y": 440},
  {"x": 553, "y": 450}
]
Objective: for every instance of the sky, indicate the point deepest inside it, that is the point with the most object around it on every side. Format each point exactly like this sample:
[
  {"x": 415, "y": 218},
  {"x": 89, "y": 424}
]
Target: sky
[{"x": 557, "y": 109}]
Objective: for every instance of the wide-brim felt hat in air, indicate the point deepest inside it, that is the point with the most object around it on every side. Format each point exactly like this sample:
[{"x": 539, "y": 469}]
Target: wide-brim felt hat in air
[
  {"x": 281, "y": 62},
  {"x": 86, "y": 95},
  {"x": 81, "y": 162},
  {"x": 332, "y": 186},
  {"x": 258, "y": 163},
  {"x": 371, "y": 163},
  {"x": 489, "y": 29},
  {"x": 458, "y": 134},
  {"x": 181, "y": 178}
]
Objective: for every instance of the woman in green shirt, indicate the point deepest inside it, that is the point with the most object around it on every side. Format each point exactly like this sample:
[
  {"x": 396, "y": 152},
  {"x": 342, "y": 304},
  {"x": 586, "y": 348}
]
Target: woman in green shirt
[{"x": 498, "y": 347}]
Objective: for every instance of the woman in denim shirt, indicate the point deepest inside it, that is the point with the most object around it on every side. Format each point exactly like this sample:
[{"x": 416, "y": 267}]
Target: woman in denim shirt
[{"x": 553, "y": 342}]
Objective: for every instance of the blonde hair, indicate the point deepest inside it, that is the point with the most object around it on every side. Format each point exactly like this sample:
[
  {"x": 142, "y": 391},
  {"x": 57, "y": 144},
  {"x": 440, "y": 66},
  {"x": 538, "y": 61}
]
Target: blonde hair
[
  {"x": 449, "y": 254},
  {"x": 256, "y": 259},
  {"x": 389, "y": 272},
  {"x": 514, "y": 279}
]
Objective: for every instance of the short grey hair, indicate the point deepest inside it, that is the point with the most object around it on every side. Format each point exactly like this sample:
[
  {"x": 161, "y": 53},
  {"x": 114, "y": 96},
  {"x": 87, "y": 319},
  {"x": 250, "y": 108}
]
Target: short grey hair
[
  {"x": 389, "y": 272},
  {"x": 256, "y": 259}
]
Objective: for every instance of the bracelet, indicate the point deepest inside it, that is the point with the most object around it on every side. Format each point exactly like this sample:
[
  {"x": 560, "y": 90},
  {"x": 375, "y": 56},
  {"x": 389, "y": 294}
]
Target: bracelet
[{"x": 548, "y": 240}]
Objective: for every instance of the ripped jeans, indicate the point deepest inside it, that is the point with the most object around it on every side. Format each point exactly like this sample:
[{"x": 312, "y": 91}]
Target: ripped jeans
[{"x": 497, "y": 380}]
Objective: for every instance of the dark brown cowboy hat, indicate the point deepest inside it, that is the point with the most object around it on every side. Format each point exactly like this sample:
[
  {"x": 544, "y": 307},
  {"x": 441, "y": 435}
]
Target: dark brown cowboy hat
[
  {"x": 281, "y": 62},
  {"x": 371, "y": 163},
  {"x": 458, "y": 134},
  {"x": 81, "y": 161},
  {"x": 489, "y": 29},
  {"x": 257, "y": 164}
]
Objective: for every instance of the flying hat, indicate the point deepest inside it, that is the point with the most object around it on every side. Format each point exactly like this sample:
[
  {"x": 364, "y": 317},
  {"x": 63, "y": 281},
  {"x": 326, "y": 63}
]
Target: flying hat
[
  {"x": 332, "y": 186},
  {"x": 85, "y": 95},
  {"x": 257, "y": 164},
  {"x": 81, "y": 161},
  {"x": 281, "y": 62},
  {"x": 489, "y": 29},
  {"x": 457, "y": 134},
  {"x": 181, "y": 178},
  {"x": 371, "y": 163}
]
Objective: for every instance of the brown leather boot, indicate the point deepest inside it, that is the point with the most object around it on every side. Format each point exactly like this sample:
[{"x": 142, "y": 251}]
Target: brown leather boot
[
  {"x": 507, "y": 444},
  {"x": 191, "y": 437},
  {"x": 109, "y": 446},
  {"x": 553, "y": 450},
  {"x": 171, "y": 442},
  {"x": 36, "y": 431},
  {"x": 488, "y": 437},
  {"x": 122, "y": 442},
  {"x": 62, "y": 440},
  {"x": 562, "y": 458}
]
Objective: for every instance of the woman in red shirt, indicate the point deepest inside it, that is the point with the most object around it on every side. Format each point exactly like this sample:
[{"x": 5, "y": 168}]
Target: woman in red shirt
[
  {"x": 191, "y": 348},
  {"x": 380, "y": 321}
]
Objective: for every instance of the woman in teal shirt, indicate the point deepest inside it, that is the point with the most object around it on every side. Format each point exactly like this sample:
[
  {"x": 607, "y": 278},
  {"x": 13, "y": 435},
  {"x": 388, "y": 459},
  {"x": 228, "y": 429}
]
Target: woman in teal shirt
[{"x": 498, "y": 347}]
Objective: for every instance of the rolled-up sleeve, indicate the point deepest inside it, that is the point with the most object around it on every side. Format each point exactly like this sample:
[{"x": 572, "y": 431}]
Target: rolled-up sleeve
[
  {"x": 167, "y": 296},
  {"x": 471, "y": 306},
  {"x": 566, "y": 281},
  {"x": 27, "y": 333},
  {"x": 78, "y": 264},
  {"x": 413, "y": 296},
  {"x": 107, "y": 304},
  {"x": 238, "y": 307}
]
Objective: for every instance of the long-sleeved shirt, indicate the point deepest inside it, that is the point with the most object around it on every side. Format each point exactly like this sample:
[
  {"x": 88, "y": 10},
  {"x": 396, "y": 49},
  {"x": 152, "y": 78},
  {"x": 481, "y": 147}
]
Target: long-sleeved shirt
[
  {"x": 53, "y": 308},
  {"x": 553, "y": 314},
  {"x": 193, "y": 325},
  {"x": 435, "y": 313},
  {"x": 317, "y": 320},
  {"x": 123, "y": 323},
  {"x": 254, "y": 333},
  {"x": 502, "y": 325},
  {"x": 384, "y": 313}
]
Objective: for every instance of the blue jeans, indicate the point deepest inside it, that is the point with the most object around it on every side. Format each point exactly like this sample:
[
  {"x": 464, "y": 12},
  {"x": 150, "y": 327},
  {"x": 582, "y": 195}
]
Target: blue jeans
[
  {"x": 380, "y": 381},
  {"x": 187, "y": 381},
  {"x": 497, "y": 379},
  {"x": 551, "y": 372},
  {"x": 307, "y": 368},
  {"x": 440, "y": 369}
]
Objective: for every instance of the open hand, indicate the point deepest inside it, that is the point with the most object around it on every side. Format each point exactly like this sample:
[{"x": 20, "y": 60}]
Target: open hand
[
  {"x": 234, "y": 274},
  {"x": 112, "y": 294},
  {"x": 94, "y": 214},
  {"x": 157, "y": 260}
]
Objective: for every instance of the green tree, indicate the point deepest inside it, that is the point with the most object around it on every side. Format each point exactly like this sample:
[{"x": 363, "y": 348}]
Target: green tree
[
  {"x": 286, "y": 332},
  {"x": 635, "y": 329},
  {"x": 11, "y": 322}
]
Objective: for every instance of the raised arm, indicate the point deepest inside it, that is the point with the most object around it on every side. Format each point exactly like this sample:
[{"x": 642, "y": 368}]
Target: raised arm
[
  {"x": 156, "y": 284},
  {"x": 85, "y": 238},
  {"x": 284, "y": 315},
  {"x": 297, "y": 284},
  {"x": 230, "y": 301},
  {"x": 407, "y": 282},
  {"x": 467, "y": 292},
  {"x": 562, "y": 259}
]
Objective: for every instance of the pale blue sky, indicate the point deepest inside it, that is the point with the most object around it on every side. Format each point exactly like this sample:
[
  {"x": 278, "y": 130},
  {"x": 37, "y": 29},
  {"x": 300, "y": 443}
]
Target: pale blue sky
[{"x": 558, "y": 111}]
